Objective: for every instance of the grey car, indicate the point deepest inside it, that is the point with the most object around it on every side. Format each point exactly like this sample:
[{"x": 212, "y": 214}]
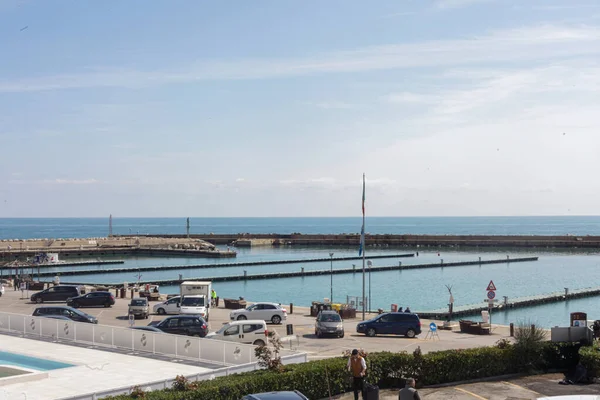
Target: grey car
[
  {"x": 329, "y": 323},
  {"x": 139, "y": 307}
]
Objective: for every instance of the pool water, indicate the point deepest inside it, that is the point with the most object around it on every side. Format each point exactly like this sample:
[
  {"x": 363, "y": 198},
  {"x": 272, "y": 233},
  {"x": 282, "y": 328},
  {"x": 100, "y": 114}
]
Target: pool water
[{"x": 38, "y": 364}]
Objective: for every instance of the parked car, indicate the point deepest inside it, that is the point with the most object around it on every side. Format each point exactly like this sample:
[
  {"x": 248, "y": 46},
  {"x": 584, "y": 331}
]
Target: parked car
[
  {"x": 295, "y": 395},
  {"x": 191, "y": 325},
  {"x": 56, "y": 293},
  {"x": 139, "y": 307},
  {"x": 171, "y": 306},
  {"x": 56, "y": 317},
  {"x": 69, "y": 312},
  {"x": 147, "y": 328},
  {"x": 247, "y": 331},
  {"x": 329, "y": 323},
  {"x": 104, "y": 299},
  {"x": 270, "y": 312},
  {"x": 393, "y": 323}
]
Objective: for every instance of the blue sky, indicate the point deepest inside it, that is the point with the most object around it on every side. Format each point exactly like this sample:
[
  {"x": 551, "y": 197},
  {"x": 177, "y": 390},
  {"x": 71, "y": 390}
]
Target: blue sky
[{"x": 272, "y": 108}]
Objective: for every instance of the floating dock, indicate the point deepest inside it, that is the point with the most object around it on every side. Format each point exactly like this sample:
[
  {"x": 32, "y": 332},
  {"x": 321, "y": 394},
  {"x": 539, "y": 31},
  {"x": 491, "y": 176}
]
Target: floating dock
[
  {"x": 519, "y": 302},
  {"x": 279, "y": 275},
  {"x": 219, "y": 265},
  {"x": 71, "y": 264}
]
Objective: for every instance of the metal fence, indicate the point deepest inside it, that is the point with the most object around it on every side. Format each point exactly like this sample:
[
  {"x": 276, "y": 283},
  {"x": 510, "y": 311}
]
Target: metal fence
[{"x": 185, "y": 347}]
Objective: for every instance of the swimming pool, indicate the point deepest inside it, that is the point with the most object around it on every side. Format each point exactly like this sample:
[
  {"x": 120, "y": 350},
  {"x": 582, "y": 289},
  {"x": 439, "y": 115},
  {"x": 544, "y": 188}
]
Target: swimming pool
[{"x": 34, "y": 363}]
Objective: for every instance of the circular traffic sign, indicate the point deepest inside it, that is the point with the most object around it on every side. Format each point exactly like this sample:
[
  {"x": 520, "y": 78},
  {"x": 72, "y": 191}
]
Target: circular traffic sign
[
  {"x": 433, "y": 327},
  {"x": 491, "y": 294}
]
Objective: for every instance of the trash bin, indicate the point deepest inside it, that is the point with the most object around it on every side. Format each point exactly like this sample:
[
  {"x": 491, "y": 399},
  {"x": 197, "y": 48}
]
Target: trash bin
[{"x": 289, "y": 329}]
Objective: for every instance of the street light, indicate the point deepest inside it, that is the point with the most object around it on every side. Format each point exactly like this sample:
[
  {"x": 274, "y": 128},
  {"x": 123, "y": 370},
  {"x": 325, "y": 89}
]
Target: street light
[
  {"x": 369, "y": 263},
  {"x": 331, "y": 284}
]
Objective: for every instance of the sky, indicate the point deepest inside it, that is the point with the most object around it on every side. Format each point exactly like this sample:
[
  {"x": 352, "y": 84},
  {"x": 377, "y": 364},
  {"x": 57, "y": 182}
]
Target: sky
[{"x": 276, "y": 108}]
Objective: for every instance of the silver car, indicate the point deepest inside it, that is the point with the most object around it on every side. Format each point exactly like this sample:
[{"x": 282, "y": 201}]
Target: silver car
[
  {"x": 269, "y": 312},
  {"x": 329, "y": 323}
]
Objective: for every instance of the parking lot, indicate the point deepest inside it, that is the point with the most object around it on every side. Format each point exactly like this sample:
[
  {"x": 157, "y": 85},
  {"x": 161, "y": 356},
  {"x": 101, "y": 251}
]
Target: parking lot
[{"x": 303, "y": 339}]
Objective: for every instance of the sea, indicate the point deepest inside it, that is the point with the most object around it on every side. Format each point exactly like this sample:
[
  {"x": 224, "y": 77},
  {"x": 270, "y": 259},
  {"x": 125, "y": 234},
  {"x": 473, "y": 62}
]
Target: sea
[{"x": 421, "y": 289}]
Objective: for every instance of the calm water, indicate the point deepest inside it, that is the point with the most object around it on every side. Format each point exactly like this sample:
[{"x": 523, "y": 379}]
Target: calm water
[
  {"x": 24, "y": 228},
  {"x": 419, "y": 289}
]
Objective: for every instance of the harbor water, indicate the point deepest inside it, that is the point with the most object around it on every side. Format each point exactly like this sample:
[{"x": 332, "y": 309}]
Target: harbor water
[{"x": 421, "y": 289}]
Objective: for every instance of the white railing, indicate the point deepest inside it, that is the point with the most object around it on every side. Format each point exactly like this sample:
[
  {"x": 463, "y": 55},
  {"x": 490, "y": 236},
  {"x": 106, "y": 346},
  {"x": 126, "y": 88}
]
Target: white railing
[{"x": 177, "y": 346}]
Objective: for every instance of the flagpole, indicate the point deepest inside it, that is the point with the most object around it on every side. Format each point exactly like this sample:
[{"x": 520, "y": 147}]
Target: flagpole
[{"x": 363, "y": 252}]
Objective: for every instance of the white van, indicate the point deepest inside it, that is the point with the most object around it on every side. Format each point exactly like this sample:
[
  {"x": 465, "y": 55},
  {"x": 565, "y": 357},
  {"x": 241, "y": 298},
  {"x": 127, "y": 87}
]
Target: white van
[{"x": 249, "y": 331}]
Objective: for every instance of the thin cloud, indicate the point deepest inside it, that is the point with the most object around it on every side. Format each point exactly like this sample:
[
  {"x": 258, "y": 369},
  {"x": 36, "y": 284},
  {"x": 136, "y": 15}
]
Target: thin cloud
[
  {"x": 57, "y": 181},
  {"x": 448, "y": 4},
  {"x": 526, "y": 44}
]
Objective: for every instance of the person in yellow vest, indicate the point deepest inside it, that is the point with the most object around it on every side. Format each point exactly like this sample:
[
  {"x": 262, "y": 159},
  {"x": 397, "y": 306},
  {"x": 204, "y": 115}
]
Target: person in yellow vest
[
  {"x": 358, "y": 369},
  {"x": 213, "y": 295}
]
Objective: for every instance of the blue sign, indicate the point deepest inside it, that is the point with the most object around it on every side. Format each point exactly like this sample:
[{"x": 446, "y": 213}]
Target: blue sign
[
  {"x": 491, "y": 294},
  {"x": 433, "y": 327}
]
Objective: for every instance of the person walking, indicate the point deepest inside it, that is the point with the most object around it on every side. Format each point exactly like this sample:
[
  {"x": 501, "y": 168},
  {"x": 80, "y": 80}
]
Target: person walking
[
  {"x": 358, "y": 368},
  {"x": 409, "y": 392}
]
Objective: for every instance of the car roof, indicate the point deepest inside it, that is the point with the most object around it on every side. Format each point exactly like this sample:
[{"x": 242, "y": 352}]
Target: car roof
[
  {"x": 248, "y": 321},
  {"x": 329, "y": 312},
  {"x": 267, "y": 302},
  {"x": 276, "y": 396}
]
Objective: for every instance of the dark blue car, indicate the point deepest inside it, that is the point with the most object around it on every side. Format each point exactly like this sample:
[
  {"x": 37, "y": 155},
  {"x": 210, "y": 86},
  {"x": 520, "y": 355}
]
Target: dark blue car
[{"x": 393, "y": 323}]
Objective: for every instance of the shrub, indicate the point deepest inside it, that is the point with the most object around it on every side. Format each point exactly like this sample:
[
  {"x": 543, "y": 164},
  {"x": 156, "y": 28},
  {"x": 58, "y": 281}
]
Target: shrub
[
  {"x": 322, "y": 378},
  {"x": 529, "y": 345}
]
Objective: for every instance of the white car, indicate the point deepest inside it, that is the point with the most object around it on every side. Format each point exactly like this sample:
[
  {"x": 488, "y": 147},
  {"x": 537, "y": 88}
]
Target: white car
[
  {"x": 1, "y": 289},
  {"x": 249, "y": 331},
  {"x": 170, "y": 306},
  {"x": 270, "y": 312}
]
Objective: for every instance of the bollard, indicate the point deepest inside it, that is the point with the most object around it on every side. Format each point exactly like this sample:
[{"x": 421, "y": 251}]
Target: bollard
[
  {"x": 479, "y": 260},
  {"x": 507, "y": 256},
  {"x": 132, "y": 291},
  {"x": 442, "y": 261},
  {"x": 512, "y": 329},
  {"x": 399, "y": 263},
  {"x": 117, "y": 293},
  {"x": 289, "y": 329},
  {"x": 302, "y": 270},
  {"x": 245, "y": 273},
  {"x": 123, "y": 292},
  {"x": 566, "y": 292},
  {"x": 291, "y": 308}
]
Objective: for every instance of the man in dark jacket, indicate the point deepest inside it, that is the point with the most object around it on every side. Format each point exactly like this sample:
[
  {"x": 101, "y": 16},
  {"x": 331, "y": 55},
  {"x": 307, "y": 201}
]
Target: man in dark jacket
[{"x": 409, "y": 392}]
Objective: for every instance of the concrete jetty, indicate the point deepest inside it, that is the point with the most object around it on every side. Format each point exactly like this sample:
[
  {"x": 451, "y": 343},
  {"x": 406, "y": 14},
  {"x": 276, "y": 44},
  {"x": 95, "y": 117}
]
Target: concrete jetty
[
  {"x": 219, "y": 265},
  {"x": 352, "y": 239},
  {"x": 71, "y": 263},
  {"x": 507, "y": 304},
  {"x": 302, "y": 273}
]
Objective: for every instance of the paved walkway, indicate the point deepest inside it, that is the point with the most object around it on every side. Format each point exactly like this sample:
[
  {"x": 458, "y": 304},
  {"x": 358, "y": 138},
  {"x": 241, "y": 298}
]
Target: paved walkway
[
  {"x": 530, "y": 387},
  {"x": 94, "y": 371}
]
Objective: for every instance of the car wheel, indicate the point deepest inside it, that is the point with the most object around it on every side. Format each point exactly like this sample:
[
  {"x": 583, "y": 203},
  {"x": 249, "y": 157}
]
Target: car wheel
[
  {"x": 196, "y": 335},
  {"x": 341, "y": 335},
  {"x": 276, "y": 319},
  {"x": 410, "y": 333},
  {"x": 318, "y": 334},
  {"x": 39, "y": 300},
  {"x": 161, "y": 311},
  {"x": 241, "y": 318},
  {"x": 259, "y": 342},
  {"x": 107, "y": 304},
  {"x": 75, "y": 304},
  {"x": 371, "y": 332}
]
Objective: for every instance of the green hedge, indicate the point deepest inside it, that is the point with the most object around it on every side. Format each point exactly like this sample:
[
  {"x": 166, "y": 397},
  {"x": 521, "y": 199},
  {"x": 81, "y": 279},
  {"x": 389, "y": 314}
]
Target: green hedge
[{"x": 318, "y": 379}]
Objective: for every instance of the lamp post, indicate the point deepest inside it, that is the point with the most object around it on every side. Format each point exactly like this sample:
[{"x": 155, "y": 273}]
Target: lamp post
[
  {"x": 369, "y": 263},
  {"x": 331, "y": 284}
]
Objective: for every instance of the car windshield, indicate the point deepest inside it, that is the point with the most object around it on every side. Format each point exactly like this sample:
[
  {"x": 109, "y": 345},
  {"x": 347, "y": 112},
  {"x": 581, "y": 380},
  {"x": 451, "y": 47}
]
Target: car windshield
[
  {"x": 138, "y": 302},
  {"x": 330, "y": 318},
  {"x": 223, "y": 328},
  {"x": 193, "y": 302}
]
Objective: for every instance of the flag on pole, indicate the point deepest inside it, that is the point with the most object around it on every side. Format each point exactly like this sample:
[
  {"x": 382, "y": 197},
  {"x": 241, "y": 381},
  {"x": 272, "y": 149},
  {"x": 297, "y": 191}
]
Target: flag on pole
[{"x": 362, "y": 231}]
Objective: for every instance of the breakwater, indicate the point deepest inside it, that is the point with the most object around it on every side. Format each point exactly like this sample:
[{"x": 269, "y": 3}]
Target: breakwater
[
  {"x": 507, "y": 304},
  {"x": 18, "y": 254},
  {"x": 353, "y": 239},
  {"x": 220, "y": 265},
  {"x": 302, "y": 273}
]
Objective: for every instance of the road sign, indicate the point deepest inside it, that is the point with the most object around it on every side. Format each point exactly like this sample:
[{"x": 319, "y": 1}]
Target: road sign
[
  {"x": 491, "y": 294},
  {"x": 491, "y": 286},
  {"x": 433, "y": 327}
]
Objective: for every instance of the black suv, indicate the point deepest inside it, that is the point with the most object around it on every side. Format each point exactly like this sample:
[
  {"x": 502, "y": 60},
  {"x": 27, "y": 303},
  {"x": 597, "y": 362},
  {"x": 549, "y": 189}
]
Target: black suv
[
  {"x": 71, "y": 313},
  {"x": 56, "y": 293},
  {"x": 393, "y": 323},
  {"x": 191, "y": 325},
  {"x": 104, "y": 299}
]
